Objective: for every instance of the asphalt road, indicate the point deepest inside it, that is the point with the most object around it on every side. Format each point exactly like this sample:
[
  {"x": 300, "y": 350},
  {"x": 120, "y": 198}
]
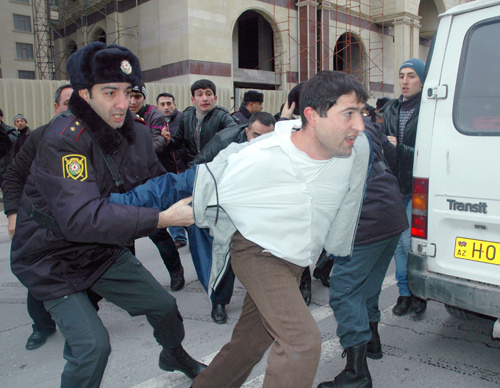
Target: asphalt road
[{"x": 435, "y": 351}]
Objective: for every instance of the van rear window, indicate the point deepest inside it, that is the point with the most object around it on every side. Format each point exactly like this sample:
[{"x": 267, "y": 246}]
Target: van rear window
[{"x": 476, "y": 108}]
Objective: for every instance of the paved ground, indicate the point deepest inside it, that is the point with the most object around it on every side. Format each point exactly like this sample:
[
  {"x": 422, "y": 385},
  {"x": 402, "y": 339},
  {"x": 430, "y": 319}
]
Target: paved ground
[{"x": 436, "y": 351}]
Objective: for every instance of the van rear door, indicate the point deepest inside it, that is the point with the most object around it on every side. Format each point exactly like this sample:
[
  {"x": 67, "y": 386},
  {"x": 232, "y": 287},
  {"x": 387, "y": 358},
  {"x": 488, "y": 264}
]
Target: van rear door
[{"x": 464, "y": 164}]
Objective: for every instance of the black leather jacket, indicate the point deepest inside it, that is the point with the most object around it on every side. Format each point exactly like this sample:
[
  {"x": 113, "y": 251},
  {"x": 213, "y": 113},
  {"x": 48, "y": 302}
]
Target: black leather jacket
[
  {"x": 216, "y": 120},
  {"x": 406, "y": 149},
  {"x": 220, "y": 141}
]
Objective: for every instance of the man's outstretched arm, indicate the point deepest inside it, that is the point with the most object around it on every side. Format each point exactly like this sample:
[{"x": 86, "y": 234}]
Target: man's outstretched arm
[{"x": 160, "y": 192}]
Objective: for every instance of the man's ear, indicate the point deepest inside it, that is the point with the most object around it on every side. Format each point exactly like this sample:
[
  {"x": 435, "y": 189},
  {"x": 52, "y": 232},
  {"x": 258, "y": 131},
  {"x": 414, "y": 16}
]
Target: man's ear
[
  {"x": 84, "y": 93},
  {"x": 311, "y": 115}
]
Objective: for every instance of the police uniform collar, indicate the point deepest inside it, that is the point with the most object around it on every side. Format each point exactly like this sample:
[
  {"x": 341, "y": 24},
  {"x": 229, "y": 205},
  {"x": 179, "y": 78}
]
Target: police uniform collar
[{"x": 108, "y": 138}]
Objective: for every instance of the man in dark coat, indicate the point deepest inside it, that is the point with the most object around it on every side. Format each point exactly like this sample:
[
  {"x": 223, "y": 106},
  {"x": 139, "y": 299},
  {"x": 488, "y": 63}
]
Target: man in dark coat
[
  {"x": 69, "y": 238},
  {"x": 21, "y": 123},
  {"x": 7, "y": 141},
  {"x": 356, "y": 281},
  {"x": 200, "y": 122},
  {"x": 252, "y": 103},
  {"x": 161, "y": 237},
  {"x": 171, "y": 160},
  {"x": 13, "y": 186},
  {"x": 400, "y": 126}
]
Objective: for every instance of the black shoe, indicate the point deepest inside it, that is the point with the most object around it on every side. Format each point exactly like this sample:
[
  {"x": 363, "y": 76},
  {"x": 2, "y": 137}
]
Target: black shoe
[
  {"x": 177, "y": 359},
  {"x": 179, "y": 244},
  {"x": 374, "y": 347},
  {"x": 177, "y": 280},
  {"x": 355, "y": 373},
  {"x": 417, "y": 307},
  {"x": 218, "y": 313},
  {"x": 305, "y": 290},
  {"x": 402, "y": 306},
  {"x": 323, "y": 276},
  {"x": 37, "y": 339}
]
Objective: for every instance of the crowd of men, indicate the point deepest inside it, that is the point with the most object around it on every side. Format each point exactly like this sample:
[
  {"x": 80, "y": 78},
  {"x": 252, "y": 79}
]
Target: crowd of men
[{"x": 131, "y": 169}]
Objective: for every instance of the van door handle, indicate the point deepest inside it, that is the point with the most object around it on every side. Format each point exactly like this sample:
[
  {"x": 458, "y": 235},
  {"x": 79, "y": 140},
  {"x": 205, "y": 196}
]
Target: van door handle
[{"x": 436, "y": 92}]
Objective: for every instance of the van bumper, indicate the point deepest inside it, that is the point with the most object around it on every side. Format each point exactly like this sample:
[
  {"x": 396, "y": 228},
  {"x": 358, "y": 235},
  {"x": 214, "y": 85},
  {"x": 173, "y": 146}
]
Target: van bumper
[{"x": 462, "y": 293}]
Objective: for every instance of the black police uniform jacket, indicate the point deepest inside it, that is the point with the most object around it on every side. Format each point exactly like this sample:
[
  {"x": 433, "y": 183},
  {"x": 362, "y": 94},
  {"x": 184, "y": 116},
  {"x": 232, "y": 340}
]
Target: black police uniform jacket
[
  {"x": 70, "y": 182},
  {"x": 216, "y": 120}
]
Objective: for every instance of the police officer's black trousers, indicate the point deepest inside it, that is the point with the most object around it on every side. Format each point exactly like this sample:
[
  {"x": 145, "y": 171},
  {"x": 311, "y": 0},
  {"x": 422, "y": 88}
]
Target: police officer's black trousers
[
  {"x": 128, "y": 285},
  {"x": 42, "y": 321}
]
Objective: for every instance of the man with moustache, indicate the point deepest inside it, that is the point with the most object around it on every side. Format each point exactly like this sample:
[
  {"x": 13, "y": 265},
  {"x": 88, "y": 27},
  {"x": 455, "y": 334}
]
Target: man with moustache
[{"x": 69, "y": 238}]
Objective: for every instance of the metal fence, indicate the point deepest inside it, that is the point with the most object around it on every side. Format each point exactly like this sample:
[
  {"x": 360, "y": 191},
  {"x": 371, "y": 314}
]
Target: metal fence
[{"x": 35, "y": 98}]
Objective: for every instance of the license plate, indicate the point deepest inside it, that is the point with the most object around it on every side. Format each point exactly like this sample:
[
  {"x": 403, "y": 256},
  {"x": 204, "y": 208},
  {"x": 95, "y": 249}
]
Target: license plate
[{"x": 477, "y": 250}]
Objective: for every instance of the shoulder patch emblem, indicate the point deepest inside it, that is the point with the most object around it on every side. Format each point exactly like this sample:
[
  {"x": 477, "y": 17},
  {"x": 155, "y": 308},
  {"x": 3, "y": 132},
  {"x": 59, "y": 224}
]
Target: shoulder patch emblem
[{"x": 75, "y": 167}]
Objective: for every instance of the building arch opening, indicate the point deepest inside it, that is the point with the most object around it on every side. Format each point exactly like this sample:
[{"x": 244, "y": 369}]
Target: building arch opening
[
  {"x": 99, "y": 35},
  {"x": 253, "y": 52},
  {"x": 348, "y": 55}
]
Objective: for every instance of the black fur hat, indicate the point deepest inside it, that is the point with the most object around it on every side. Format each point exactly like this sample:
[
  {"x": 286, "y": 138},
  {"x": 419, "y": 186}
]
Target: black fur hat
[
  {"x": 97, "y": 63},
  {"x": 253, "y": 96}
]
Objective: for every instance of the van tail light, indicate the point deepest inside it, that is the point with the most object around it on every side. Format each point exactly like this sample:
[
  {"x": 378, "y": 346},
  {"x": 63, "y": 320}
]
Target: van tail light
[{"x": 420, "y": 203}]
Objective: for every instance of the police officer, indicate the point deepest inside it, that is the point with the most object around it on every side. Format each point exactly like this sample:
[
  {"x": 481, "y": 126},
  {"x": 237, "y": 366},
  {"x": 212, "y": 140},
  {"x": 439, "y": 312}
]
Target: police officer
[{"x": 69, "y": 238}]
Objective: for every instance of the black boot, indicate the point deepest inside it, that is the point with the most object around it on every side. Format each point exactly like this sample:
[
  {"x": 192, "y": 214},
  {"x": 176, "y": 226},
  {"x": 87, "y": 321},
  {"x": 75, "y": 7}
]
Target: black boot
[
  {"x": 305, "y": 286},
  {"x": 177, "y": 280},
  {"x": 355, "y": 373},
  {"x": 417, "y": 307},
  {"x": 323, "y": 274},
  {"x": 177, "y": 359},
  {"x": 402, "y": 306},
  {"x": 374, "y": 349}
]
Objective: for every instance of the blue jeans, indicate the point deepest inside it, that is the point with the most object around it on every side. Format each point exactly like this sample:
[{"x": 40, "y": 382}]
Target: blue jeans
[
  {"x": 178, "y": 233},
  {"x": 355, "y": 287},
  {"x": 401, "y": 255}
]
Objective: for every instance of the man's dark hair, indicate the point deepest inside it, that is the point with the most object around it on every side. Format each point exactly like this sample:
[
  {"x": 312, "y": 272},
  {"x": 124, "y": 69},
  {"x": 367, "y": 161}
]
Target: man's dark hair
[
  {"x": 322, "y": 91},
  {"x": 165, "y": 95},
  {"x": 59, "y": 90},
  {"x": 264, "y": 117},
  {"x": 1, "y": 113},
  {"x": 203, "y": 84}
]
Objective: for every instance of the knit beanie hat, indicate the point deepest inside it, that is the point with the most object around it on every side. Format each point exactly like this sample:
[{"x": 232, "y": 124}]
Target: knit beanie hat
[
  {"x": 416, "y": 64},
  {"x": 20, "y": 116},
  {"x": 141, "y": 88}
]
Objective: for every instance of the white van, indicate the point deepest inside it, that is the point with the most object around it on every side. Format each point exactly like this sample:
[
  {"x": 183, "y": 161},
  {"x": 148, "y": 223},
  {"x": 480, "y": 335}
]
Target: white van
[{"x": 455, "y": 248}]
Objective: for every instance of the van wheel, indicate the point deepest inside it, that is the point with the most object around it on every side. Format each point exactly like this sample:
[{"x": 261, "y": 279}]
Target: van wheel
[{"x": 457, "y": 312}]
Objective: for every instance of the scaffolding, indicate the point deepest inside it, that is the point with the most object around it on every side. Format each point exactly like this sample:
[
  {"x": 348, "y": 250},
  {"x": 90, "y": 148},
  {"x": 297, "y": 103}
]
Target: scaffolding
[
  {"x": 44, "y": 38},
  {"x": 358, "y": 29},
  {"x": 349, "y": 38},
  {"x": 56, "y": 20}
]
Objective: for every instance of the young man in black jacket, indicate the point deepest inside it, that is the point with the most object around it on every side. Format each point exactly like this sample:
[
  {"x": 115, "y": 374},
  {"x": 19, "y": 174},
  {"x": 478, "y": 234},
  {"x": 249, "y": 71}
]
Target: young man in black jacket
[
  {"x": 400, "y": 126},
  {"x": 200, "y": 122}
]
